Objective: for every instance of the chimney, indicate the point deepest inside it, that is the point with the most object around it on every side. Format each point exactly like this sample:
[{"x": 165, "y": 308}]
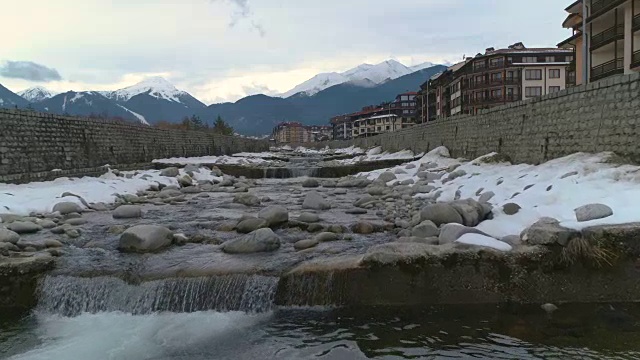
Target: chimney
[
  {"x": 517, "y": 46},
  {"x": 488, "y": 50}
]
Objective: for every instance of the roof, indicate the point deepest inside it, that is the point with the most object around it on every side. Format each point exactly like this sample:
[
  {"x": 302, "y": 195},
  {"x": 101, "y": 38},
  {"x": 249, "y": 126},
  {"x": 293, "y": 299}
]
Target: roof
[
  {"x": 575, "y": 7},
  {"x": 456, "y": 67},
  {"x": 570, "y": 41},
  {"x": 408, "y": 93},
  {"x": 525, "y": 51}
]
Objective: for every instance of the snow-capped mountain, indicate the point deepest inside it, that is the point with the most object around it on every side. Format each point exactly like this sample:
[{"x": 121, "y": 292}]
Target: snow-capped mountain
[
  {"x": 36, "y": 94},
  {"x": 362, "y": 75},
  {"x": 156, "y": 87},
  {"x": 88, "y": 103}
]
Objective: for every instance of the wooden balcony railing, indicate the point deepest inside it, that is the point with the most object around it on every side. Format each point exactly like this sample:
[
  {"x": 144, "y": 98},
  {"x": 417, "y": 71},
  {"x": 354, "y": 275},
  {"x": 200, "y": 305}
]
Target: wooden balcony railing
[
  {"x": 495, "y": 99},
  {"x": 607, "y": 36},
  {"x": 495, "y": 82},
  {"x": 598, "y": 6},
  {"x": 609, "y": 68}
]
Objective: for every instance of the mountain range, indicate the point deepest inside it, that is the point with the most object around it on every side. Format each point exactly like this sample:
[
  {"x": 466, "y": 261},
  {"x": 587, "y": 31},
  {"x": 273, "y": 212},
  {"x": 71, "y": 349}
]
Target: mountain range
[{"x": 312, "y": 102}]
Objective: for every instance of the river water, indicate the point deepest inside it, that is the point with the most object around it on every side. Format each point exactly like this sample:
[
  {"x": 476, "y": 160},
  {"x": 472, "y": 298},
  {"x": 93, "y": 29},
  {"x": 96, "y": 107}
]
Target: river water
[{"x": 86, "y": 311}]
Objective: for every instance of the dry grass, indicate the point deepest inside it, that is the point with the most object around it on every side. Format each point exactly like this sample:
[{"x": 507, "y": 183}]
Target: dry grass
[{"x": 585, "y": 250}]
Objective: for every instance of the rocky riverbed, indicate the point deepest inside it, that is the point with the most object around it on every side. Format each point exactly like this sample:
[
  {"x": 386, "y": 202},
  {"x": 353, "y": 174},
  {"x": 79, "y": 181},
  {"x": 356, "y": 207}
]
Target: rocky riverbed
[{"x": 331, "y": 240}]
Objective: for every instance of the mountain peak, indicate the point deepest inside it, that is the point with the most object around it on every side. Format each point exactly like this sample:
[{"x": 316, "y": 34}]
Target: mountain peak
[
  {"x": 155, "y": 86},
  {"x": 36, "y": 94}
]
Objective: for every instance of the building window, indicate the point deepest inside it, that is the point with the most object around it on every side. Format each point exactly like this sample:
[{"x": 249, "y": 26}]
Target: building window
[
  {"x": 497, "y": 62},
  {"x": 533, "y": 91},
  {"x": 569, "y": 58},
  {"x": 496, "y": 76},
  {"x": 553, "y": 89},
  {"x": 529, "y": 59},
  {"x": 533, "y": 74},
  {"x": 496, "y": 93},
  {"x": 554, "y": 73},
  {"x": 550, "y": 59}
]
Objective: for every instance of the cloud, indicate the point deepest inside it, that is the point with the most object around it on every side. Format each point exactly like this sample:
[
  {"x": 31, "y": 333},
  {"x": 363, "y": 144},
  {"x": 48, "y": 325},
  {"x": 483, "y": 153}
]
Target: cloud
[
  {"x": 28, "y": 70},
  {"x": 243, "y": 12},
  {"x": 255, "y": 89}
]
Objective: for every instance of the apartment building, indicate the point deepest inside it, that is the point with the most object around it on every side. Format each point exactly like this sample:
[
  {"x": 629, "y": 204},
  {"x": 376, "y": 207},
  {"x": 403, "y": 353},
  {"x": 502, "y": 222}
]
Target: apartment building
[
  {"x": 605, "y": 38},
  {"x": 291, "y": 133},
  {"x": 320, "y": 132},
  {"x": 373, "y": 120},
  {"x": 495, "y": 78}
]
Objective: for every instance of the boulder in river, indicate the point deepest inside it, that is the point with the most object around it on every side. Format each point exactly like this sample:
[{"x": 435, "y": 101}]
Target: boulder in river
[
  {"x": 246, "y": 199},
  {"x": 170, "y": 172},
  {"x": 547, "y": 231},
  {"x": 127, "y": 212},
  {"x": 67, "y": 207},
  {"x": 145, "y": 238},
  {"x": 511, "y": 208},
  {"x": 252, "y": 224},
  {"x": 9, "y": 236},
  {"x": 425, "y": 229},
  {"x": 451, "y": 232},
  {"x": 305, "y": 244},
  {"x": 440, "y": 213},
  {"x": 363, "y": 227},
  {"x": 24, "y": 227},
  {"x": 262, "y": 240},
  {"x": 387, "y": 176},
  {"x": 326, "y": 237},
  {"x": 310, "y": 183},
  {"x": 274, "y": 215},
  {"x": 308, "y": 218},
  {"x": 313, "y": 200}
]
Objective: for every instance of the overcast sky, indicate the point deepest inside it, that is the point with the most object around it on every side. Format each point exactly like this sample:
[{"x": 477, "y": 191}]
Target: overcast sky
[{"x": 221, "y": 50}]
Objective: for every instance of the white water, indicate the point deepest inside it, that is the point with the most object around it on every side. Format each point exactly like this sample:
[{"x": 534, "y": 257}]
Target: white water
[{"x": 120, "y": 336}]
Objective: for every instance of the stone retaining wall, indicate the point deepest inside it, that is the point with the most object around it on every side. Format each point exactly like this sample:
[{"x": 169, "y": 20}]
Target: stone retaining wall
[
  {"x": 602, "y": 116},
  {"x": 32, "y": 144}
]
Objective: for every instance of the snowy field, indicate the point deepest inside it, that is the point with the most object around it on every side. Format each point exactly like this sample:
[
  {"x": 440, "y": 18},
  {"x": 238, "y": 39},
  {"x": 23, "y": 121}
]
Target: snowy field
[
  {"x": 40, "y": 197},
  {"x": 552, "y": 189}
]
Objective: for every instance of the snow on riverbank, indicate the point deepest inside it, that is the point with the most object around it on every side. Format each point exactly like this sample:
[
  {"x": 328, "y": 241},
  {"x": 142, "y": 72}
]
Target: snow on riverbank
[
  {"x": 221, "y": 160},
  {"x": 376, "y": 154},
  {"x": 40, "y": 197},
  {"x": 552, "y": 189}
]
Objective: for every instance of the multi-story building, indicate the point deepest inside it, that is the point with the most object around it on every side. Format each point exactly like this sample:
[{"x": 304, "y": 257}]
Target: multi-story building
[
  {"x": 291, "y": 133},
  {"x": 320, "y": 132},
  {"x": 494, "y": 78},
  {"x": 606, "y": 38},
  {"x": 374, "y": 120}
]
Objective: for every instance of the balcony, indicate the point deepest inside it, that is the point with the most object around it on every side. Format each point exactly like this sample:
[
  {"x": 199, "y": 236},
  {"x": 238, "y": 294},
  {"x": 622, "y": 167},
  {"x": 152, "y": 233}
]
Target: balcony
[
  {"x": 487, "y": 83},
  {"x": 635, "y": 60},
  {"x": 636, "y": 23},
  {"x": 608, "y": 36},
  {"x": 496, "y": 65},
  {"x": 601, "y": 7},
  {"x": 571, "y": 78},
  {"x": 609, "y": 68},
  {"x": 495, "y": 100}
]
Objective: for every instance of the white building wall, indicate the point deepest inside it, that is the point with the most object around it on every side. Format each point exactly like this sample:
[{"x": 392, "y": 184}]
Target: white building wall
[{"x": 546, "y": 81}]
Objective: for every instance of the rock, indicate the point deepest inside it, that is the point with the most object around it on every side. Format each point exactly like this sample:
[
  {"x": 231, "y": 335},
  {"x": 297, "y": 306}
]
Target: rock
[
  {"x": 127, "y": 212},
  {"x": 367, "y": 199},
  {"x": 226, "y": 226},
  {"x": 340, "y": 191},
  {"x": 36, "y": 244},
  {"x": 24, "y": 227},
  {"x": 440, "y": 213},
  {"x": 72, "y": 233},
  {"x": 418, "y": 240},
  {"x": 116, "y": 229},
  {"x": 47, "y": 224},
  {"x": 169, "y": 193},
  {"x": 547, "y": 231},
  {"x": 429, "y": 176},
  {"x": 191, "y": 190},
  {"x": 76, "y": 221},
  {"x": 456, "y": 174},
  {"x": 52, "y": 243},
  {"x": 274, "y": 215},
  {"x": 377, "y": 190},
  {"x": 511, "y": 208},
  {"x": 8, "y": 236},
  {"x": 336, "y": 229},
  {"x": 310, "y": 183},
  {"x": 452, "y": 232},
  {"x": 72, "y": 216},
  {"x": 573, "y": 173},
  {"x": 192, "y": 168},
  {"x": 387, "y": 176},
  {"x": 407, "y": 182},
  {"x": 250, "y": 225},
  {"x": 425, "y": 229},
  {"x": 308, "y": 218},
  {"x": 326, "y": 237},
  {"x": 180, "y": 239},
  {"x": 472, "y": 212},
  {"x": 246, "y": 199},
  {"x": 362, "y": 227},
  {"x": 145, "y": 238},
  {"x": 170, "y": 172},
  {"x": 593, "y": 212},
  {"x": 60, "y": 229},
  {"x": 67, "y": 207},
  {"x": 312, "y": 228},
  {"x": 513, "y": 240},
  {"x": 549, "y": 308},
  {"x": 262, "y": 240},
  {"x": 82, "y": 200},
  {"x": 400, "y": 253},
  {"x": 423, "y": 189},
  {"x": 99, "y": 207},
  {"x": 9, "y": 218},
  {"x": 486, "y": 197},
  {"x": 185, "y": 180},
  {"x": 313, "y": 200},
  {"x": 403, "y": 224},
  {"x": 399, "y": 171},
  {"x": 477, "y": 240},
  {"x": 404, "y": 233},
  {"x": 305, "y": 244}
]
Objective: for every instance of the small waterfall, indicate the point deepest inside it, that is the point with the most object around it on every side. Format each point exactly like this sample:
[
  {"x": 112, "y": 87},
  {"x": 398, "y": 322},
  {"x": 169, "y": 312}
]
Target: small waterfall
[
  {"x": 71, "y": 296},
  {"x": 312, "y": 289},
  {"x": 303, "y": 166}
]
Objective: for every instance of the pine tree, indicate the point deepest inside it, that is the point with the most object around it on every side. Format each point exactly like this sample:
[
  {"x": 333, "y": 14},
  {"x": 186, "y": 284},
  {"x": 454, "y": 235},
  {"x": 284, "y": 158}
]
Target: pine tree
[{"x": 221, "y": 127}]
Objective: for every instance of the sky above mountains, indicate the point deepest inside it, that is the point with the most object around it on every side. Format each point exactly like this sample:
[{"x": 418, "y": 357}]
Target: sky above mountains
[{"x": 222, "y": 50}]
